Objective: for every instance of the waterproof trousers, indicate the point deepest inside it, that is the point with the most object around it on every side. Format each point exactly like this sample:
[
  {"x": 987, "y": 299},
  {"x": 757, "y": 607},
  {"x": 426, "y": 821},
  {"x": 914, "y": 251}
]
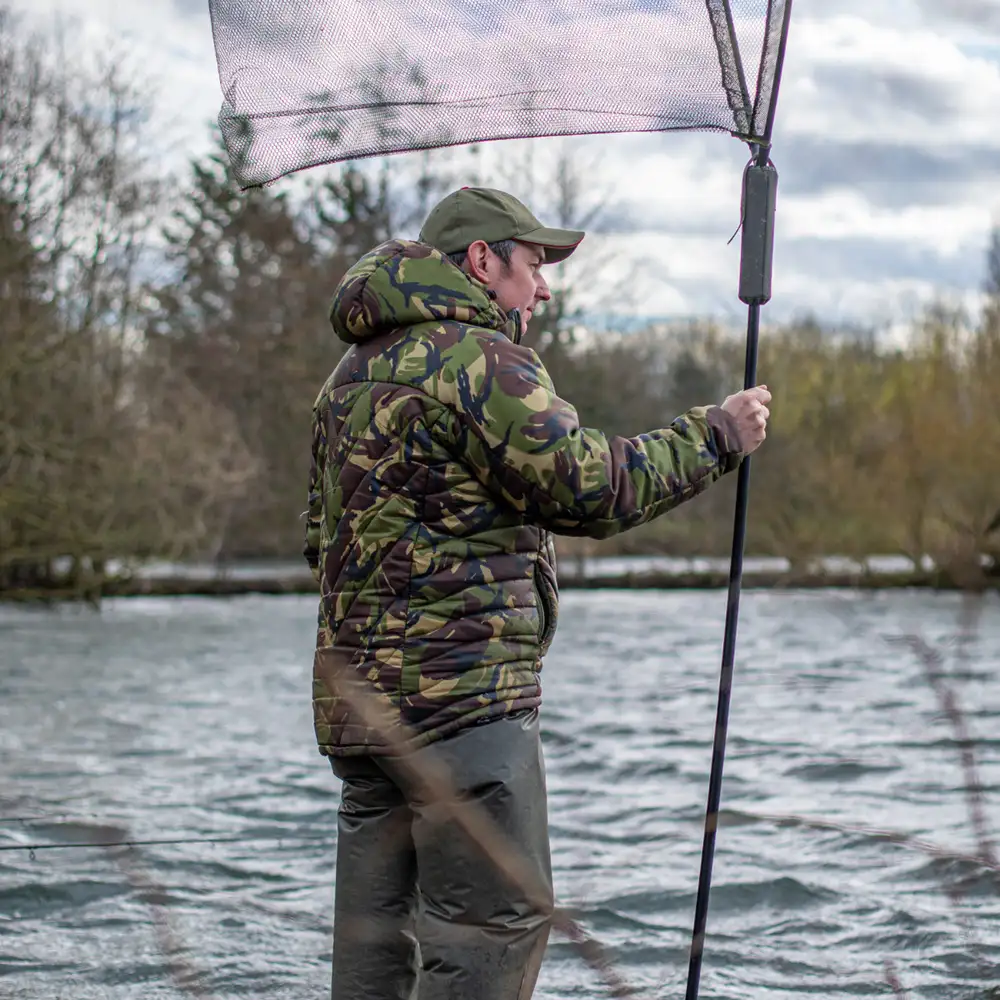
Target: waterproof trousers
[{"x": 421, "y": 911}]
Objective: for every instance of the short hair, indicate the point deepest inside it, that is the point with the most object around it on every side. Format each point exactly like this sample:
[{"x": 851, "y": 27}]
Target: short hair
[{"x": 504, "y": 249}]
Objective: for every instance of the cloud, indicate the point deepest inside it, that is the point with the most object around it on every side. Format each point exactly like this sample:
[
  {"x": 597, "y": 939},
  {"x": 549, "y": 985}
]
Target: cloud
[
  {"x": 851, "y": 79},
  {"x": 905, "y": 89},
  {"x": 189, "y": 7},
  {"x": 978, "y": 14},
  {"x": 856, "y": 258},
  {"x": 888, "y": 174},
  {"x": 886, "y": 142}
]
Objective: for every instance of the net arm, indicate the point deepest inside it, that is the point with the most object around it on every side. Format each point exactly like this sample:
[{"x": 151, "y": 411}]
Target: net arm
[{"x": 734, "y": 82}]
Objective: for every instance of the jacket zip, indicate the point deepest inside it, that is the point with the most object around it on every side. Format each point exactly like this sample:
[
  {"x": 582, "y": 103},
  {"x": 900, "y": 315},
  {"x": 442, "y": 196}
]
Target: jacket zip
[
  {"x": 543, "y": 602},
  {"x": 543, "y": 610}
]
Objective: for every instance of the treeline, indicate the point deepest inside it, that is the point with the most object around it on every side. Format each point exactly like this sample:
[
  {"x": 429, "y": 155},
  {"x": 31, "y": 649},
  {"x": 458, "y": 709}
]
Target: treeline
[
  {"x": 871, "y": 450},
  {"x": 162, "y": 341}
]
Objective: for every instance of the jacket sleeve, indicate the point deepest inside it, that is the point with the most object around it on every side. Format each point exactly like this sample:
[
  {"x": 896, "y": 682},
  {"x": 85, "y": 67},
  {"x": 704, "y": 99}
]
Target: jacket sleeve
[
  {"x": 314, "y": 513},
  {"x": 526, "y": 445}
]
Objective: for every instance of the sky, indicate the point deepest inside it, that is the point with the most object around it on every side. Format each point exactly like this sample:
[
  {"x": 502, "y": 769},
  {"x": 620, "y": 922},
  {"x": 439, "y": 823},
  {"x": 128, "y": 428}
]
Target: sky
[{"x": 887, "y": 144}]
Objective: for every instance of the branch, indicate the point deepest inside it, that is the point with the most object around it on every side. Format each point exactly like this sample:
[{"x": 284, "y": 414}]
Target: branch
[
  {"x": 898, "y": 837},
  {"x": 935, "y": 674},
  {"x": 893, "y": 981}
]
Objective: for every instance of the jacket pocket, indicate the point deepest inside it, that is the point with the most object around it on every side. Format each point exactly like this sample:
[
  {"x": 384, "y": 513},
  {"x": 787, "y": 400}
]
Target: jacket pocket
[{"x": 548, "y": 612}]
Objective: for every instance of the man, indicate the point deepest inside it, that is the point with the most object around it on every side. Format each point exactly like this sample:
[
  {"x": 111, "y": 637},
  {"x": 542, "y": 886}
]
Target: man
[{"x": 442, "y": 460}]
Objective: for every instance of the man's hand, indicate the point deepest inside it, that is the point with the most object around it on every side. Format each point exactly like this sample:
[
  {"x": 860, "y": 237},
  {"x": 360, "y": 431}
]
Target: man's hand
[{"x": 749, "y": 409}]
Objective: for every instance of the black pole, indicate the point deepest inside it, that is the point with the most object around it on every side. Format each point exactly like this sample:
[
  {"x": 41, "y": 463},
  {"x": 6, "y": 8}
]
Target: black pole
[
  {"x": 760, "y": 187},
  {"x": 725, "y": 683}
]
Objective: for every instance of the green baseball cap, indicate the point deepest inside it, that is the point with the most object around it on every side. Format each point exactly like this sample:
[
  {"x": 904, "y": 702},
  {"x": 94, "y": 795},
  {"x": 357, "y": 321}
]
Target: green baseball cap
[{"x": 471, "y": 214}]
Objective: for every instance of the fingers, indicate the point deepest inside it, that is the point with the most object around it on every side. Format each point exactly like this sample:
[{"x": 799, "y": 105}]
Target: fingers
[
  {"x": 757, "y": 398},
  {"x": 755, "y": 415},
  {"x": 751, "y": 413}
]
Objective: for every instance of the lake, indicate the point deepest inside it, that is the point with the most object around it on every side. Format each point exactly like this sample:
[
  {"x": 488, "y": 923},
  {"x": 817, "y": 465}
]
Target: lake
[{"x": 189, "y": 719}]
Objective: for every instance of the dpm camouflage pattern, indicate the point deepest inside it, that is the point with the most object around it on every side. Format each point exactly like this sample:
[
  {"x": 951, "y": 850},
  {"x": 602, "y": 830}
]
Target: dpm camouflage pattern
[{"x": 442, "y": 460}]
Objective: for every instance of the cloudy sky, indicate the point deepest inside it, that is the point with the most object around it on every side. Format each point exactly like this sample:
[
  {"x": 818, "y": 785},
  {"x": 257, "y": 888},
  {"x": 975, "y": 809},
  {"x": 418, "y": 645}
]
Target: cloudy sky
[{"x": 887, "y": 143}]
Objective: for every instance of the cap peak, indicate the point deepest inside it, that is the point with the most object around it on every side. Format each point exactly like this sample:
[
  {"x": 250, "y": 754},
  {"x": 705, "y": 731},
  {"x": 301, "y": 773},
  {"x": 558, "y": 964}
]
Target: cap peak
[{"x": 473, "y": 213}]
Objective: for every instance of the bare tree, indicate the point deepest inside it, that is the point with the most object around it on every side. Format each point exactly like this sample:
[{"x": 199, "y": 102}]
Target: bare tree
[{"x": 78, "y": 204}]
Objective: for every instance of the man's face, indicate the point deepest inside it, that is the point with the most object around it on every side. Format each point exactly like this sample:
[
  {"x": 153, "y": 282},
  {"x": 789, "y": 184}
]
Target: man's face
[{"x": 519, "y": 285}]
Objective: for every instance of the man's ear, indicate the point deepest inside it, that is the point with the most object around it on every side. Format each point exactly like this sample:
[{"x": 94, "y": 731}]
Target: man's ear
[{"x": 476, "y": 258}]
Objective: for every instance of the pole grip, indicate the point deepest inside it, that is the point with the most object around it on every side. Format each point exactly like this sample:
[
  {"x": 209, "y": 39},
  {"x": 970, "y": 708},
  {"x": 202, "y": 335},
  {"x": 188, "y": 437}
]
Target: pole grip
[{"x": 760, "y": 194}]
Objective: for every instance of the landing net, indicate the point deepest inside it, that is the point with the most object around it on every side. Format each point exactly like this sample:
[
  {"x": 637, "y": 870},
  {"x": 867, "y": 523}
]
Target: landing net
[{"x": 307, "y": 82}]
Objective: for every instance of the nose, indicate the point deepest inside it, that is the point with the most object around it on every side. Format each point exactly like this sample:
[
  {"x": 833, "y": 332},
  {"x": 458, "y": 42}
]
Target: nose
[{"x": 542, "y": 293}]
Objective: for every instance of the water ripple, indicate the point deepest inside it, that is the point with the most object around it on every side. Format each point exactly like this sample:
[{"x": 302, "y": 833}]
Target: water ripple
[{"x": 190, "y": 718}]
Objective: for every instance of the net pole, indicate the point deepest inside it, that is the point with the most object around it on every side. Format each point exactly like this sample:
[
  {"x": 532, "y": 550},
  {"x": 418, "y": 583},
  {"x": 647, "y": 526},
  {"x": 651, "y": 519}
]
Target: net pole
[
  {"x": 725, "y": 683},
  {"x": 760, "y": 183}
]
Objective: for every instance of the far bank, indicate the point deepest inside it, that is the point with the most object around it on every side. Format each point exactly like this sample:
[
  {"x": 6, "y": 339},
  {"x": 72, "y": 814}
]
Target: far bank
[{"x": 575, "y": 573}]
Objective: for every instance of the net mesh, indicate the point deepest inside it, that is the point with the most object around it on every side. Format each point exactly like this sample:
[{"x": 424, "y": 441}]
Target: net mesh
[{"x": 307, "y": 82}]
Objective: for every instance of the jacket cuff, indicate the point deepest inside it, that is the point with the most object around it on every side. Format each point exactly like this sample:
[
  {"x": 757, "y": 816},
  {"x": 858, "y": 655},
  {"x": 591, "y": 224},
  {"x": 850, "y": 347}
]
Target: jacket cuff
[{"x": 727, "y": 438}]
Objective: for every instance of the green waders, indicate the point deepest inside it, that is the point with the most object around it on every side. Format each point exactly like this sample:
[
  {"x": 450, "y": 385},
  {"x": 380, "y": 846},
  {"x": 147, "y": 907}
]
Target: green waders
[{"x": 421, "y": 912}]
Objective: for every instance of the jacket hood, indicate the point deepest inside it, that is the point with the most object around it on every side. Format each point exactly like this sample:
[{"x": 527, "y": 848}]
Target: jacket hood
[{"x": 402, "y": 283}]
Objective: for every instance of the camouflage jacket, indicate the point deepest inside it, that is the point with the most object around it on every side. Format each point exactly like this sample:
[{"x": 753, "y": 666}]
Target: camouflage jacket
[{"x": 442, "y": 460}]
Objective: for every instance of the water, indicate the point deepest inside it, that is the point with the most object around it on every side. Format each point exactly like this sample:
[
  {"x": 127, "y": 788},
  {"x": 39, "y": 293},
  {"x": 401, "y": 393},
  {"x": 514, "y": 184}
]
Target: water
[{"x": 190, "y": 718}]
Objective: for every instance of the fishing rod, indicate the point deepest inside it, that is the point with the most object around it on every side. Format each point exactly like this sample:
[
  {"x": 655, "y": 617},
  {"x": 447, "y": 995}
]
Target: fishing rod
[
  {"x": 760, "y": 188},
  {"x": 162, "y": 841}
]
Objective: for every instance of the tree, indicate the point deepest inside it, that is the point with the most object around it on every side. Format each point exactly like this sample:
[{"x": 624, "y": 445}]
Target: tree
[
  {"x": 240, "y": 312},
  {"x": 77, "y": 204}
]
